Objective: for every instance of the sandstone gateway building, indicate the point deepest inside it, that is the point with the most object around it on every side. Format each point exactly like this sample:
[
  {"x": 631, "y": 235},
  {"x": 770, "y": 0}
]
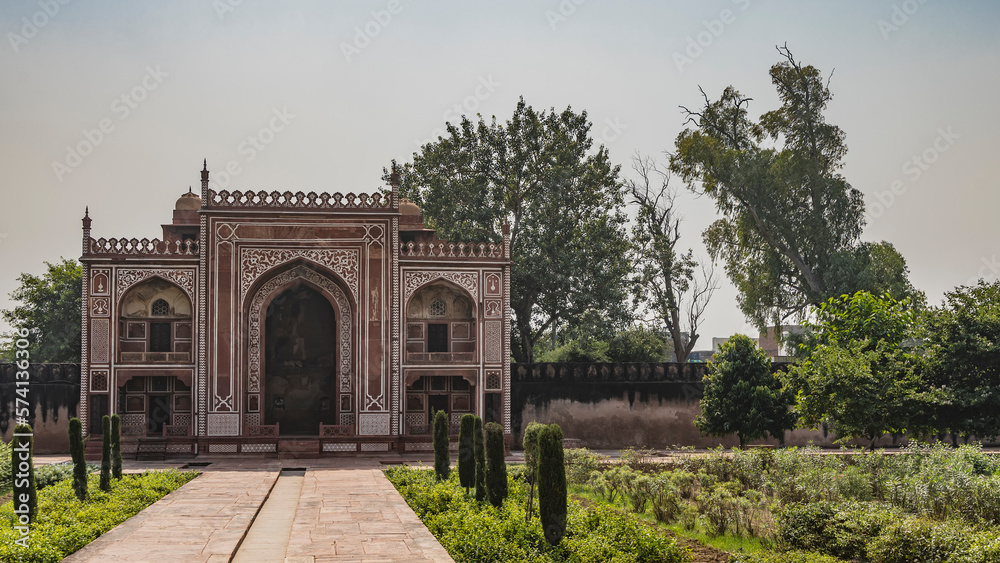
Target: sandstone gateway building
[{"x": 268, "y": 322}]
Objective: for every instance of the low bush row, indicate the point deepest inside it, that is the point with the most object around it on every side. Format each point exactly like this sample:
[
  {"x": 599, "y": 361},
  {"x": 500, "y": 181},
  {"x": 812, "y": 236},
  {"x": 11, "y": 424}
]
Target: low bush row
[
  {"x": 46, "y": 475},
  {"x": 479, "y": 532},
  {"x": 65, "y": 524},
  {"x": 882, "y": 533}
]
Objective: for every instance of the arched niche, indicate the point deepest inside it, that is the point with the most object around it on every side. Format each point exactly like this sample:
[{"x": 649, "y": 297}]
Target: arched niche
[
  {"x": 440, "y": 325},
  {"x": 155, "y": 323}
]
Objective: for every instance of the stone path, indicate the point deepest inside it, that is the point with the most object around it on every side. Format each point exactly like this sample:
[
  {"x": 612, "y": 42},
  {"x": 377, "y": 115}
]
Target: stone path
[
  {"x": 345, "y": 510},
  {"x": 359, "y": 514}
]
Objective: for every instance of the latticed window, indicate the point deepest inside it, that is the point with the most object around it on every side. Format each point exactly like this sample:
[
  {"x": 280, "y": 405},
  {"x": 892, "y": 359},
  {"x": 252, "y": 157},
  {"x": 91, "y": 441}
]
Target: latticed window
[
  {"x": 437, "y": 308},
  {"x": 160, "y": 308}
]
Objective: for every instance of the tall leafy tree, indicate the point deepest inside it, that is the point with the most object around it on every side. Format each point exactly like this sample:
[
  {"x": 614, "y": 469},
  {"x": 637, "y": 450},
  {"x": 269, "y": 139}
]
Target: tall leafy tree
[
  {"x": 742, "y": 396},
  {"x": 790, "y": 220},
  {"x": 49, "y": 308},
  {"x": 539, "y": 173},
  {"x": 666, "y": 279},
  {"x": 859, "y": 374},
  {"x": 962, "y": 339}
]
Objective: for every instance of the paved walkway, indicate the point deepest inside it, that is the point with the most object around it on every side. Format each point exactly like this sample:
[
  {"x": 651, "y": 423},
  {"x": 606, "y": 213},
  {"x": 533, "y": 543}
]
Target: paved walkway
[{"x": 343, "y": 510}]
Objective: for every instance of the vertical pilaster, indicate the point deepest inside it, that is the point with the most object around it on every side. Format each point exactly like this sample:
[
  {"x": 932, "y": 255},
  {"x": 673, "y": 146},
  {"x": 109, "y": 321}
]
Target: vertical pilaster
[
  {"x": 84, "y": 411},
  {"x": 200, "y": 341},
  {"x": 395, "y": 291},
  {"x": 507, "y": 428}
]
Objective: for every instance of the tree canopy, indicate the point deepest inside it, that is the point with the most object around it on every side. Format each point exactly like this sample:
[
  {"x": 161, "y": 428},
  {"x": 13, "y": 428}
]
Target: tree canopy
[
  {"x": 790, "y": 226},
  {"x": 742, "y": 395},
  {"x": 962, "y": 341},
  {"x": 49, "y": 308},
  {"x": 858, "y": 375},
  {"x": 537, "y": 172}
]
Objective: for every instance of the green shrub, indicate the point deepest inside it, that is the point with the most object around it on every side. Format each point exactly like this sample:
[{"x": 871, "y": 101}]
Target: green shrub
[
  {"x": 719, "y": 506},
  {"x": 479, "y": 447},
  {"x": 919, "y": 539},
  {"x": 839, "y": 529},
  {"x": 116, "y": 446},
  {"x": 106, "y": 453},
  {"x": 639, "y": 490},
  {"x": 665, "y": 498},
  {"x": 496, "y": 467},
  {"x": 552, "y": 484},
  {"x": 466, "y": 451},
  {"x": 79, "y": 463},
  {"x": 530, "y": 443},
  {"x": 442, "y": 457},
  {"x": 581, "y": 463},
  {"x": 613, "y": 484},
  {"x": 641, "y": 459},
  {"x": 48, "y": 475},
  {"x": 685, "y": 482},
  {"x": 604, "y": 534}
]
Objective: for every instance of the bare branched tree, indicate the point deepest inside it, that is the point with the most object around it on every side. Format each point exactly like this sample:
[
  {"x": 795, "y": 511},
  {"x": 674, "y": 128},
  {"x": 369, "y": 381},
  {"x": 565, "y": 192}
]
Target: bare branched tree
[{"x": 666, "y": 282}]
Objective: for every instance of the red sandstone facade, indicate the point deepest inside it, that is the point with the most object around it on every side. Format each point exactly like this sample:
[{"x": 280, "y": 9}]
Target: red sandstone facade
[{"x": 271, "y": 321}]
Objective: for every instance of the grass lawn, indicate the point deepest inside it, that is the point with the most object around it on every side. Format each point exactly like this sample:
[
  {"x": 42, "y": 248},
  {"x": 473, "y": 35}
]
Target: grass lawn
[{"x": 64, "y": 524}]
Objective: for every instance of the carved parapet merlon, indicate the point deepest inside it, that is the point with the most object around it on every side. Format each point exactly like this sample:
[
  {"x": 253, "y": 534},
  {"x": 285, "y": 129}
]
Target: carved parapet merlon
[
  {"x": 299, "y": 200},
  {"x": 144, "y": 246},
  {"x": 443, "y": 249}
]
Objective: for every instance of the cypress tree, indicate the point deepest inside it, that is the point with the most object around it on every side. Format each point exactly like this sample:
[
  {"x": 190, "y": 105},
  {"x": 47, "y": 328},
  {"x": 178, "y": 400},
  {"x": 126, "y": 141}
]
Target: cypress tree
[
  {"x": 116, "y": 446},
  {"x": 106, "y": 453},
  {"x": 552, "y": 484},
  {"x": 466, "y": 452},
  {"x": 530, "y": 443},
  {"x": 496, "y": 467},
  {"x": 480, "y": 453},
  {"x": 20, "y": 468},
  {"x": 442, "y": 457},
  {"x": 79, "y": 463}
]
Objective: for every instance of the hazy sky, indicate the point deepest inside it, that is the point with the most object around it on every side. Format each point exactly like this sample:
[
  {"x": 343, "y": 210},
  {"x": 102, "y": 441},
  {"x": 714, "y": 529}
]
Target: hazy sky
[{"x": 320, "y": 96}]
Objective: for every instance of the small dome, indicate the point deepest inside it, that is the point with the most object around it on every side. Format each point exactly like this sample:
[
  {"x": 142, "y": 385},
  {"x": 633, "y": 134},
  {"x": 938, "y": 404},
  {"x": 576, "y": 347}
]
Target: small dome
[
  {"x": 407, "y": 207},
  {"x": 188, "y": 202}
]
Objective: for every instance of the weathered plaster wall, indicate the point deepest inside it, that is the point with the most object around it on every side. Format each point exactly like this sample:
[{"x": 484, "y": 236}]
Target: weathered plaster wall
[
  {"x": 613, "y": 406},
  {"x": 53, "y": 398}
]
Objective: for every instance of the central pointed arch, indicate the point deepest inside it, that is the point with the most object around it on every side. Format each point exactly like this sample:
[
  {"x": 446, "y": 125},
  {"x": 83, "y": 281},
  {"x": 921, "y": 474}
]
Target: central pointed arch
[{"x": 320, "y": 282}]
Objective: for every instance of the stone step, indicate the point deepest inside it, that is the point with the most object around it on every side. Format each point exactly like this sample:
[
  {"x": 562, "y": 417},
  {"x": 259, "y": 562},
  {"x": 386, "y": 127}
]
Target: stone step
[{"x": 298, "y": 449}]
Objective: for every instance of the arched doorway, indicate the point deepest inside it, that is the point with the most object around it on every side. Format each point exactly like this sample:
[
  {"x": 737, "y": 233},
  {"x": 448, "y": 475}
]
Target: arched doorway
[{"x": 300, "y": 368}]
